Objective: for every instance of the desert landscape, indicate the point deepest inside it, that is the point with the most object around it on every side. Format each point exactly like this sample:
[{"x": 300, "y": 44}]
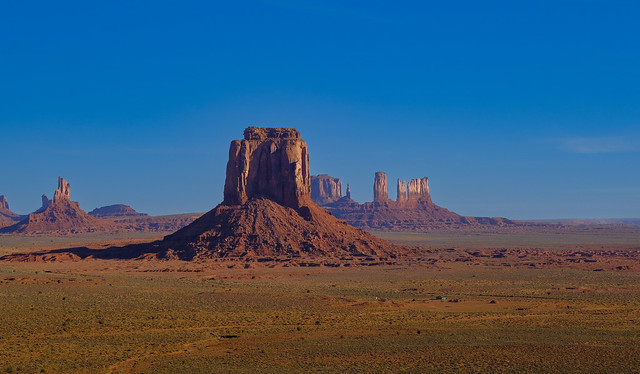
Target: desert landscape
[
  {"x": 268, "y": 281},
  {"x": 300, "y": 186}
]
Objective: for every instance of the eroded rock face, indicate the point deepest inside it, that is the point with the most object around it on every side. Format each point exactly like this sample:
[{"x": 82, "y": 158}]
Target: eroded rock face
[
  {"x": 402, "y": 191},
  {"x": 63, "y": 192},
  {"x": 325, "y": 189},
  {"x": 3, "y": 203},
  {"x": 348, "y": 195},
  {"x": 271, "y": 163},
  {"x": 380, "y": 190},
  {"x": 419, "y": 189}
]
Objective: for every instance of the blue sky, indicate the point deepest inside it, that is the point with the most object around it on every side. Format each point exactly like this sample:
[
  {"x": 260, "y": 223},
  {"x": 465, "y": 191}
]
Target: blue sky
[{"x": 517, "y": 109}]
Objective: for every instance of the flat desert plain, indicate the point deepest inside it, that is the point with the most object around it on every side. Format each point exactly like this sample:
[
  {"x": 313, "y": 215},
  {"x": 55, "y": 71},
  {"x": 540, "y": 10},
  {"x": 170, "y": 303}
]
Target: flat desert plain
[{"x": 536, "y": 302}]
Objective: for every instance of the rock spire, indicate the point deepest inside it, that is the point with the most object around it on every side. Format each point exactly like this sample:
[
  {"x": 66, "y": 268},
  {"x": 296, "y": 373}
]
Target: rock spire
[
  {"x": 380, "y": 191},
  {"x": 402, "y": 191},
  {"x": 63, "y": 192}
]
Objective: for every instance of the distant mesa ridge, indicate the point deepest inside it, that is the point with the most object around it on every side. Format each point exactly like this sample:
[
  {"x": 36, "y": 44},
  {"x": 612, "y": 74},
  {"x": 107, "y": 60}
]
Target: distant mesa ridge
[
  {"x": 116, "y": 210},
  {"x": 412, "y": 210}
]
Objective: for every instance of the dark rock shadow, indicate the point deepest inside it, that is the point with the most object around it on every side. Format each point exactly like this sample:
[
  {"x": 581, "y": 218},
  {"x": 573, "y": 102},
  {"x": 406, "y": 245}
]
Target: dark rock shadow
[{"x": 128, "y": 252}]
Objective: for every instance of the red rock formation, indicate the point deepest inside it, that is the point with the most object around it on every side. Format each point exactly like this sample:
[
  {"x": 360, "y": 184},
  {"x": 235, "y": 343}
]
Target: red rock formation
[
  {"x": 267, "y": 209},
  {"x": 45, "y": 204},
  {"x": 63, "y": 193},
  {"x": 325, "y": 189},
  {"x": 408, "y": 213},
  {"x": 118, "y": 210},
  {"x": 271, "y": 163},
  {"x": 348, "y": 195},
  {"x": 7, "y": 217},
  {"x": 62, "y": 216},
  {"x": 380, "y": 191},
  {"x": 402, "y": 192}
]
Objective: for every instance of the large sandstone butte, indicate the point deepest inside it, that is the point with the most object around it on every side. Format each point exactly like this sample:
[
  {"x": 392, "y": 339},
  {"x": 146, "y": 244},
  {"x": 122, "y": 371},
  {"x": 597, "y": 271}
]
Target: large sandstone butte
[
  {"x": 325, "y": 189},
  {"x": 412, "y": 210},
  {"x": 7, "y": 217},
  {"x": 268, "y": 211},
  {"x": 60, "y": 216}
]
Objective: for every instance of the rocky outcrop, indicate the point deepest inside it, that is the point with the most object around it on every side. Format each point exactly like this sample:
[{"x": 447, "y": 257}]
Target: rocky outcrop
[
  {"x": 117, "y": 210},
  {"x": 268, "y": 211},
  {"x": 325, "y": 189},
  {"x": 63, "y": 193},
  {"x": 413, "y": 210},
  {"x": 348, "y": 195},
  {"x": 61, "y": 217},
  {"x": 402, "y": 192},
  {"x": 7, "y": 217},
  {"x": 45, "y": 204},
  {"x": 418, "y": 189},
  {"x": 380, "y": 190},
  {"x": 272, "y": 163}
]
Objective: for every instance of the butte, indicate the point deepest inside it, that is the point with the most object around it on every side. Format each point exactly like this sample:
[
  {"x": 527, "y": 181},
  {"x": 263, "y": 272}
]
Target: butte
[{"x": 268, "y": 211}]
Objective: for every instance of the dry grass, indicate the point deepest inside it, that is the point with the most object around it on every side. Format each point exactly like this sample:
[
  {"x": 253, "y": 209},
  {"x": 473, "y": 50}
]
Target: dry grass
[
  {"x": 330, "y": 320},
  {"x": 117, "y": 316}
]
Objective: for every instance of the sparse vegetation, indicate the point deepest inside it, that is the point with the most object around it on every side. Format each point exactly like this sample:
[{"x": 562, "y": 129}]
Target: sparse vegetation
[{"x": 104, "y": 316}]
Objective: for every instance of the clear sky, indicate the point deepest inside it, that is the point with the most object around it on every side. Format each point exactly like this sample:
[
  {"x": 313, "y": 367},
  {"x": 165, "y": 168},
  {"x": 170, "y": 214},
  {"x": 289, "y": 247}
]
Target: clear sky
[{"x": 523, "y": 109}]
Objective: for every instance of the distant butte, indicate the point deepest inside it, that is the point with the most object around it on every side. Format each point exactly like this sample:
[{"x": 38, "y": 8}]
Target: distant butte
[
  {"x": 413, "y": 209},
  {"x": 325, "y": 189},
  {"x": 268, "y": 211},
  {"x": 117, "y": 210},
  {"x": 62, "y": 216}
]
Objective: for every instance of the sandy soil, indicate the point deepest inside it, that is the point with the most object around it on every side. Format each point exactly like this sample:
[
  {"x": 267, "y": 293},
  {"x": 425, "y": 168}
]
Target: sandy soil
[{"x": 472, "y": 302}]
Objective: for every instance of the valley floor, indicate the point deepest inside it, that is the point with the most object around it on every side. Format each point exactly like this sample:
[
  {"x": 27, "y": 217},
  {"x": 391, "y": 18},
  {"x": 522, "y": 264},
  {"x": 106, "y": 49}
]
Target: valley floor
[{"x": 135, "y": 316}]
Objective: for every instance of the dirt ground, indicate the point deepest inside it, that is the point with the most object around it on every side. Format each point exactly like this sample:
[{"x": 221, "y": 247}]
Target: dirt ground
[{"x": 471, "y": 302}]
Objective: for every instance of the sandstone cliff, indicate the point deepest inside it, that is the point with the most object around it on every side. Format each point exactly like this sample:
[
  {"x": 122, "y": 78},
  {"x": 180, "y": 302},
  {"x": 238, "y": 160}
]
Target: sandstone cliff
[
  {"x": 325, "y": 189},
  {"x": 267, "y": 209},
  {"x": 269, "y": 162}
]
